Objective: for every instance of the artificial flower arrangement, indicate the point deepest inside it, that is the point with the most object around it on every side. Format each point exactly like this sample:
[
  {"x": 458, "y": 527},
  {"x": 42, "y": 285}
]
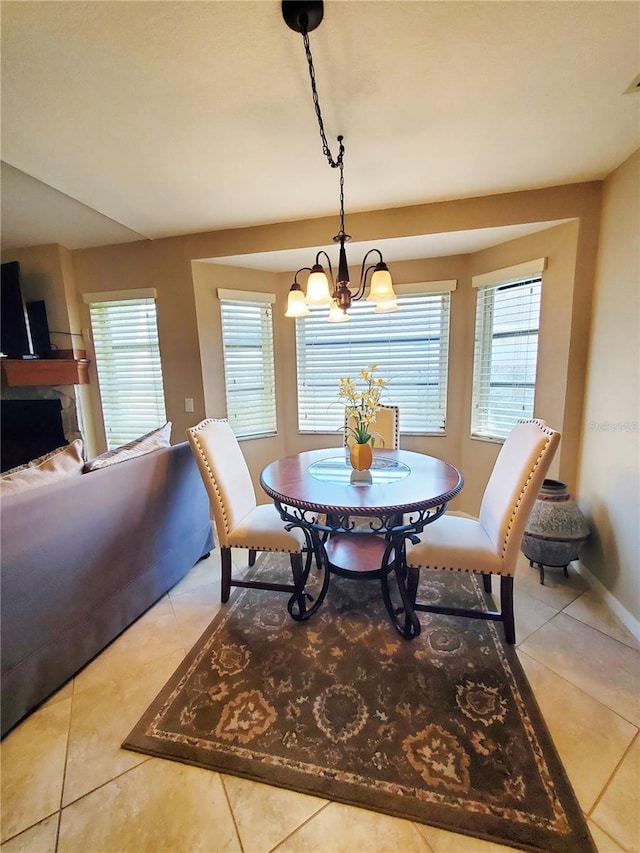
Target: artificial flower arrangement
[{"x": 362, "y": 405}]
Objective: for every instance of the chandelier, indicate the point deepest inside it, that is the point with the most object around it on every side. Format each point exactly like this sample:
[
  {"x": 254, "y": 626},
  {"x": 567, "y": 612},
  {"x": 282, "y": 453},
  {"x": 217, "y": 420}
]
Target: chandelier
[{"x": 303, "y": 16}]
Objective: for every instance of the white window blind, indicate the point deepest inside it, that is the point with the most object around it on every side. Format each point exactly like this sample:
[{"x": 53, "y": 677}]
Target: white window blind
[
  {"x": 505, "y": 356},
  {"x": 249, "y": 372},
  {"x": 410, "y": 347},
  {"x": 125, "y": 340}
]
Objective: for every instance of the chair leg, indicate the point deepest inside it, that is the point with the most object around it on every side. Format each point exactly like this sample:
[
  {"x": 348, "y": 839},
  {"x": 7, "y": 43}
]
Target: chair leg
[
  {"x": 225, "y": 559},
  {"x": 252, "y": 556},
  {"x": 486, "y": 580},
  {"x": 506, "y": 605}
]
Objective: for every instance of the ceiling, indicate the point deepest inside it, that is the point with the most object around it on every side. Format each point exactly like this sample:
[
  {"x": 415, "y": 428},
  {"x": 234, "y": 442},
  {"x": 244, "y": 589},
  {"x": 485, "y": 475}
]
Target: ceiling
[{"x": 139, "y": 120}]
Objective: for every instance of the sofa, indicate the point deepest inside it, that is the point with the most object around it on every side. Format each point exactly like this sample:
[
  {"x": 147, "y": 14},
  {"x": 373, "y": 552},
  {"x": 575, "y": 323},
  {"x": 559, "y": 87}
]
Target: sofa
[{"x": 83, "y": 557}]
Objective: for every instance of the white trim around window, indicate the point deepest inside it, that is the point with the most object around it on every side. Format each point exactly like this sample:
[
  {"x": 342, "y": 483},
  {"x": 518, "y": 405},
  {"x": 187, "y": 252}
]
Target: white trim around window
[
  {"x": 127, "y": 353},
  {"x": 518, "y": 272},
  {"x": 505, "y": 354},
  {"x": 410, "y": 347},
  {"x": 249, "y": 365},
  {"x": 119, "y": 295}
]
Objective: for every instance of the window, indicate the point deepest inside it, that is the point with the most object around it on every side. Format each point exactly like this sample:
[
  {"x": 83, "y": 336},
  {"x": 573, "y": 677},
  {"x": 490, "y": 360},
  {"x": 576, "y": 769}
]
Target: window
[
  {"x": 505, "y": 355},
  {"x": 410, "y": 347},
  {"x": 125, "y": 340},
  {"x": 249, "y": 373}
]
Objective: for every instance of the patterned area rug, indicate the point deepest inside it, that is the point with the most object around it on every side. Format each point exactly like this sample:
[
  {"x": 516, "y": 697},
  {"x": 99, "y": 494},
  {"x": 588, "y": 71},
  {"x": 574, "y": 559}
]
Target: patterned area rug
[{"x": 443, "y": 730}]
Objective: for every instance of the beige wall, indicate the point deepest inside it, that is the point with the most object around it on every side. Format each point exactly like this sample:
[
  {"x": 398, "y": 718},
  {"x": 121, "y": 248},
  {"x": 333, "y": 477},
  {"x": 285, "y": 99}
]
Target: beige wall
[
  {"x": 164, "y": 266},
  {"x": 609, "y": 469},
  {"x": 561, "y": 367},
  {"x": 599, "y": 462},
  {"x": 207, "y": 278},
  {"x": 167, "y": 265},
  {"x": 558, "y": 368},
  {"x": 46, "y": 272}
]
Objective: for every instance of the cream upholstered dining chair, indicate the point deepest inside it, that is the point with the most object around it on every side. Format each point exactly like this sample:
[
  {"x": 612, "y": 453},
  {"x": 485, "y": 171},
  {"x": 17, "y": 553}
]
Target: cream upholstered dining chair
[
  {"x": 489, "y": 544},
  {"x": 239, "y": 521},
  {"x": 386, "y": 426}
]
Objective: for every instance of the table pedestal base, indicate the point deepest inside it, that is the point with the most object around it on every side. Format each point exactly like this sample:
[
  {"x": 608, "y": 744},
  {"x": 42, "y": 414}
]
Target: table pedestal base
[{"x": 371, "y": 557}]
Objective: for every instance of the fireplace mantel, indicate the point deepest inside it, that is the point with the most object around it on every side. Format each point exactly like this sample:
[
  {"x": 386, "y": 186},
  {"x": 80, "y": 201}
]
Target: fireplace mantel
[{"x": 64, "y": 369}]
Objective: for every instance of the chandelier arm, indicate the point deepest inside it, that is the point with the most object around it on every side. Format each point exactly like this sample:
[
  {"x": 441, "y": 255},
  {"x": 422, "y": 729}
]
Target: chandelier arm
[
  {"x": 364, "y": 273},
  {"x": 302, "y": 269}
]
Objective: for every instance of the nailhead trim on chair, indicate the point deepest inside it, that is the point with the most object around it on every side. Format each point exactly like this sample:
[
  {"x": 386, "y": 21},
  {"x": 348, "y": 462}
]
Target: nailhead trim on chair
[
  {"x": 544, "y": 428},
  {"x": 193, "y": 431}
]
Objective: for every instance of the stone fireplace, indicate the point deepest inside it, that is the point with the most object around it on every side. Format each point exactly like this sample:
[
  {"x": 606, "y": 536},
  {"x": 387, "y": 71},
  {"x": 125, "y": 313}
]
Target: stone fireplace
[{"x": 36, "y": 420}]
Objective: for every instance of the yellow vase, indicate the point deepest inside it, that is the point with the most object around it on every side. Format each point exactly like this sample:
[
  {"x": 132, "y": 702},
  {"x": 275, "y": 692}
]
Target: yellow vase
[{"x": 361, "y": 456}]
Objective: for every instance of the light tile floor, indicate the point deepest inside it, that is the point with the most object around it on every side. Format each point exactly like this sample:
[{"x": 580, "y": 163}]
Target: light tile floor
[{"x": 68, "y": 787}]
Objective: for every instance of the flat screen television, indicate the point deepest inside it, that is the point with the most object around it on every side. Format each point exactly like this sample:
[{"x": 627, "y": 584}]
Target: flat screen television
[
  {"x": 39, "y": 328},
  {"x": 15, "y": 337}
]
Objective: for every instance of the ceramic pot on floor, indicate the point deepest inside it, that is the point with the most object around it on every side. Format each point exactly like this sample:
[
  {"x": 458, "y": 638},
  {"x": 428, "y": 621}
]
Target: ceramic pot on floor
[{"x": 556, "y": 529}]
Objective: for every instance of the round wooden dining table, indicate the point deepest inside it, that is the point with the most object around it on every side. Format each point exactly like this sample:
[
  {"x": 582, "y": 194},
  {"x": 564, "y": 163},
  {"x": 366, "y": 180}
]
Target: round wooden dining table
[{"x": 357, "y": 522}]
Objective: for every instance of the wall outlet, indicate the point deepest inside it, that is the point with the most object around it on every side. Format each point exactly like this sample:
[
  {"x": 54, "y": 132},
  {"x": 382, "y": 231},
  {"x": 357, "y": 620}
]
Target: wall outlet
[{"x": 188, "y": 404}]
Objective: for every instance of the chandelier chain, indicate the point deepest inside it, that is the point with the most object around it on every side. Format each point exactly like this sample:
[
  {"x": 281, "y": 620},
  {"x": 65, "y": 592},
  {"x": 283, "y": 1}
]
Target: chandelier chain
[
  {"x": 302, "y": 16},
  {"x": 338, "y": 163}
]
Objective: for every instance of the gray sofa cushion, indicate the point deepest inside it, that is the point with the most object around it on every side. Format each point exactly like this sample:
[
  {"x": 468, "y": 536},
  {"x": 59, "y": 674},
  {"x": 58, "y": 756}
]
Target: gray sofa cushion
[{"x": 138, "y": 447}]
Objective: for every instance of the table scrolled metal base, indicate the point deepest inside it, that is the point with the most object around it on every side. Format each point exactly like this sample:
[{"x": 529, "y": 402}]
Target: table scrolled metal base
[{"x": 357, "y": 523}]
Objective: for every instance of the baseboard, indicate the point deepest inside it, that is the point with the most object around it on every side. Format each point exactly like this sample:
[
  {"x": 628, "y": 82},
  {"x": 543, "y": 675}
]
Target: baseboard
[{"x": 628, "y": 619}]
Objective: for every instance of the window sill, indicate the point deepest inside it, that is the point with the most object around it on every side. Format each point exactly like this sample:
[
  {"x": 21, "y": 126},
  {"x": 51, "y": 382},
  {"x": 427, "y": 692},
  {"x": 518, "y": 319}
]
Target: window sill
[
  {"x": 488, "y": 439},
  {"x": 256, "y": 436}
]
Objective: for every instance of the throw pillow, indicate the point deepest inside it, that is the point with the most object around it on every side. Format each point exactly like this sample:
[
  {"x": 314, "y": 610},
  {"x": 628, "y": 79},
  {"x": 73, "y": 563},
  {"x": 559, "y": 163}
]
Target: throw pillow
[
  {"x": 56, "y": 465},
  {"x": 153, "y": 440}
]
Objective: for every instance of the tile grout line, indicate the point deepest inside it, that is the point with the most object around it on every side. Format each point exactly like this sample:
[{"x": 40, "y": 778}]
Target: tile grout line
[
  {"x": 525, "y": 653},
  {"x": 231, "y": 811},
  {"x": 593, "y": 627},
  {"x": 605, "y": 787},
  {"x": 599, "y": 699},
  {"x": 610, "y": 837},
  {"x": 579, "y": 689},
  {"x": 430, "y": 847},
  {"x": 105, "y": 783},
  {"x": 539, "y": 628},
  {"x": 304, "y": 823},
  {"x": 66, "y": 759},
  {"x": 574, "y": 687}
]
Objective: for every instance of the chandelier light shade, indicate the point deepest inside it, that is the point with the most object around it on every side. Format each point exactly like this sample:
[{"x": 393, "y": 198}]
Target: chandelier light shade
[
  {"x": 296, "y": 303},
  {"x": 318, "y": 287},
  {"x": 336, "y": 314},
  {"x": 303, "y": 16}
]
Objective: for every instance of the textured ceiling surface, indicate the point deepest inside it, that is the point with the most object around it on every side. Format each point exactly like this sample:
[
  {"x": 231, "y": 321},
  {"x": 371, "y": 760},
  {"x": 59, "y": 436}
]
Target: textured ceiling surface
[{"x": 132, "y": 120}]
